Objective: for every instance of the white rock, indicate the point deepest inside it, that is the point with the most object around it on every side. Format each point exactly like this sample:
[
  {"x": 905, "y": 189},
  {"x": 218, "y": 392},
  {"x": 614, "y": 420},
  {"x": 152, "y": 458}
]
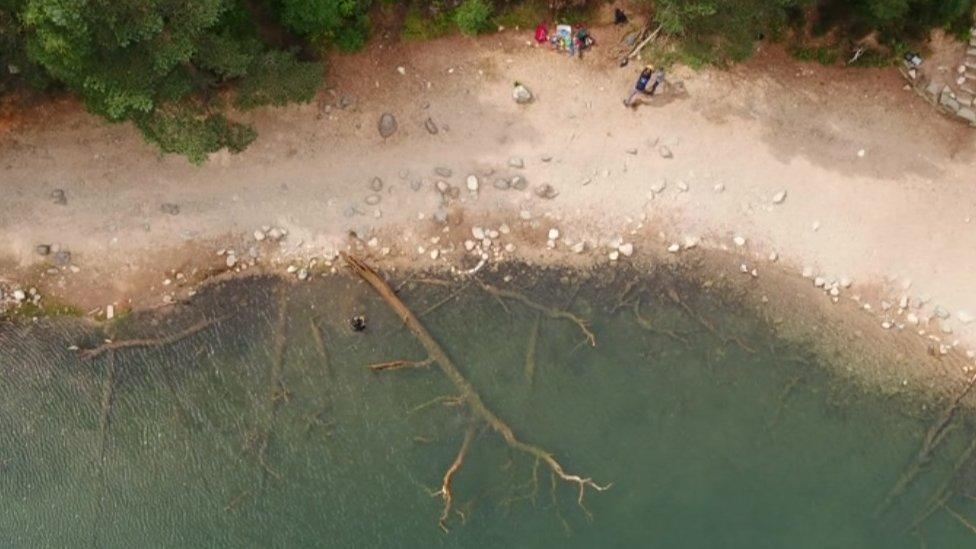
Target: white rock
[
  {"x": 834, "y": 292},
  {"x": 815, "y": 226},
  {"x": 903, "y": 302},
  {"x": 779, "y": 197},
  {"x": 231, "y": 260},
  {"x": 276, "y": 234},
  {"x": 912, "y": 319},
  {"x": 509, "y": 247},
  {"x": 578, "y": 247},
  {"x": 743, "y": 268},
  {"x": 435, "y": 253},
  {"x": 478, "y": 233},
  {"x": 965, "y": 317},
  {"x": 259, "y": 235},
  {"x": 19, "y": 295},
  {"x": 674, "y": 248},
  {"x": 626, "y": 249},
  {"x": 691, "y": 242},
  {"x": 504, "y": 228},
  {"x": 553, "y": 233},
  {"x": 401, "y": 70},
  {"x": 819, "y": 282},
  {"x": 754, "y": 273},
  {"x": 807, "y": 272},
  {"x": 525, "y": 215},
  {"x": 682, "y": 186},
  {"x": 719, "y": 187},
  {"x": 861, "y": 153},
  {"x": 773, "y": 256},
  {"x": 845, "y": 282},
  {"x": 302, "y": 273},
  {"x": 658, "y": 186},
  {"x": 291, "y": 269},
  {"x": 472, "y": 183},
  {"x": 739, "y": 241},
  {"x": 614, "y": 255},
  {"x": 469, "y": 245},
  {"x": 886, "y": 325}
]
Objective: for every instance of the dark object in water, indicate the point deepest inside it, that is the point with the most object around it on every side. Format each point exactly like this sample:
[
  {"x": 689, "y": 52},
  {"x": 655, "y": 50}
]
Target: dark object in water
[
  {"x": 619, "y": 17},
  {"x": 358, "y": 323}
]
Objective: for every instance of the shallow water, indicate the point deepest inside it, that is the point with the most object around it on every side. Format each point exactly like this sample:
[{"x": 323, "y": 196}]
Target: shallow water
[{"x": 214, "y": 441}]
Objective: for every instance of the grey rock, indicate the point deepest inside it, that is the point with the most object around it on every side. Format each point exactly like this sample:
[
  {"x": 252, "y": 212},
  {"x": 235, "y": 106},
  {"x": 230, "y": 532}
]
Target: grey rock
[
  {"x": 253, "y": 252},
  {"x": 376, "y": 184},
  {"x": 967, "y": 114},
  {"x": 516, "y": 162},
  {"x": 547, "y": 158},
  {"x": 373, "y": 199},
  {"x": 170, "y": 208},
  {"x": 346, "y": 101},
  {"x": 387, "y": 125},
  {"x": 431, "y": 126},
  {"x": 453, "y": 192},
  {"x": 62, "y": 258},
  {"x": 442, "y": 171},
  {"x": 351, "y": 211},
  {"x": 632, "y": 151},
  {"x": 502, "y": 184},
  {"x": 521, "y": 94},
  {"x": 519, "y": 183},
  {"x": 58, "y": 197},
  {"x": 941, "y": 312},
  {"x": 440, "y": 216},
  {"x": 665, "y": 151},
  {"x": 416, "y": 184},
  {"x": 546, "y": 191},
  {"x": 43, "y": 249}
]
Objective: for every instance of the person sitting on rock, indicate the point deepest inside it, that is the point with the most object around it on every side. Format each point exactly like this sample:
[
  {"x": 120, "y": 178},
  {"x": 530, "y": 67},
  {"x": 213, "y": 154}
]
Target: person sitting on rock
[{"x": 647, "y": 76}]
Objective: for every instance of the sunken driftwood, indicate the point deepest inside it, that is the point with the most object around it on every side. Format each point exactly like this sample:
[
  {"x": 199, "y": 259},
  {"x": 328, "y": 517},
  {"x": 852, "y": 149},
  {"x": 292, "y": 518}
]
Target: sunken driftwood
[{"x": 467, "y": 392}]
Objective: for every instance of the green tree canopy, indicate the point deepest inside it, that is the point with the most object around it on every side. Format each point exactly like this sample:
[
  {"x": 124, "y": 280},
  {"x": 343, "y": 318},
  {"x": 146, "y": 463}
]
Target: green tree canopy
[{"x": 162, "y": 64}]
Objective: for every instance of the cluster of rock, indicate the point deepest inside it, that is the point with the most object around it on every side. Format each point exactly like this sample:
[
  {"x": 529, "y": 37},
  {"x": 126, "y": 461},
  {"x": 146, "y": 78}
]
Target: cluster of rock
[
  {"x": 13, "y": 297},
  {"x": 957, "y": 98}
]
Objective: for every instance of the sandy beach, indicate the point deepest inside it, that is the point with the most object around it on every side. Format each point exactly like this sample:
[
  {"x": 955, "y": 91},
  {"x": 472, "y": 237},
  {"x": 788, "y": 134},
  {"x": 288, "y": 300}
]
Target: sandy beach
[{"x": 840, "y": 180}]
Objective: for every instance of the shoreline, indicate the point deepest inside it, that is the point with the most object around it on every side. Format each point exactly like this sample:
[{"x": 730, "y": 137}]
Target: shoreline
[{"x": 706, "y": 167}]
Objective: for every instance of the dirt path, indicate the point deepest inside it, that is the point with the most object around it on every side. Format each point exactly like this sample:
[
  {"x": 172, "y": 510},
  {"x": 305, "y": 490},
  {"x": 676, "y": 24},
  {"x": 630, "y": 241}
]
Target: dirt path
[{"x": 898, "y": 219}]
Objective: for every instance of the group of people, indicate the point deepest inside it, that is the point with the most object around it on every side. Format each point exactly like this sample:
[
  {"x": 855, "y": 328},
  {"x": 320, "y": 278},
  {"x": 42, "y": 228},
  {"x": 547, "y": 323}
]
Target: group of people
[
  {"x": 564, "y": 39},
  {"x": 647, "y": 84}
]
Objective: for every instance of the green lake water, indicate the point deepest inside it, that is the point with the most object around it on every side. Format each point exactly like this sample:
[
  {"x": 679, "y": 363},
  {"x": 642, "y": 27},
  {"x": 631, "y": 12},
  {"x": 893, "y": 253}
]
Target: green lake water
[{"x": 211, "y": 441}]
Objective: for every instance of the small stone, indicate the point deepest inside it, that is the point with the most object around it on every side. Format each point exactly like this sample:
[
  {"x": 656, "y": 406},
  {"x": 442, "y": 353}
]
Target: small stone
[
  {"x": 431, "y": 126},
  {"x": 912, "y": 319},
  {"x": 276, "y": 234},
  {"x": 547, "y": 158},
  {"x": 834, "y": 292},
  {"x": 614, "y": 255},
  {"x": 259, "y": 235},
  {"x": 519, "y": 183},
  {"x": 109, "y": 312},
  {"x": 807, "y": 272},
  {"x": 886, "y": 325},
  {"x": 442, "y": 186},
  {"x": 815, "y": 226},
  {"x": 674, "y": 248},
  {"x": 231, "y": 260},
  {"x": 658, "y": 186},
  {"x": 682, "y": 186},
  {"x": 402, "y": 70},
  {"x": 941, "y": 312},
  {"x": 59, "y": 197},
  {"x": 626, "y": 250},
  {"x": 719, "y": 187},
  {"x": 442, "y": 171},
  {"x": 861, "y": 153},
  {"x": 473, "y": 183},
  {"x": 416, "y": 184},
  {"x": 373, "y": 199},
  {"x": 578, "y": 247},
  {"x": 965, "y": 317},
  {"x": 521, "y": 94},
  {"x": 170, "y": 208},
  {"x": 773, "y": 256},
  {"x": 516, "y": 162},
  {"x": 376, "y": 184},
  {"x": 525, "y": 215},
  {"x": 691, "y": 242},
  {"x": 43, "y": 249},
  {"x": 291, "y": 269},
  {"x": 845, "y": 282},
  {"x": 62, "y": 258},
  {"x": 478, "y": 233},
  {"x": 739, "y": 241},
  {"x": 819, "y": 282},
  {"x": 435, "y": 253},
  {"x": 903, "y": 302},
  {"x": 469, "y": 245},
  {"x": 632, "y": 151},
  {"x": 302, "y": 273},
  {"x": 553, "y": 234},
  {"x": 546, "y": 191},
  {"x": 387, "y": 125},
  {"x": 665, "y": 151},
  {"x": 19, "y": 295},
  {"x": 779, "y": 197}
]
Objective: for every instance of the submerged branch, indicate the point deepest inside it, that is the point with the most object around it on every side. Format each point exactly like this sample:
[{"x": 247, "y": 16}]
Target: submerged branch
[
  {"x": 399, "y": 365},
  {"x": 445, "y": 491},
  {"x": 88, "y": 354},
  {"x": 530, "y": 351},
  {"x": 582, "y": 324},
  {"x": 467, "y": 391},
  {"x": 707, "y": 324}
]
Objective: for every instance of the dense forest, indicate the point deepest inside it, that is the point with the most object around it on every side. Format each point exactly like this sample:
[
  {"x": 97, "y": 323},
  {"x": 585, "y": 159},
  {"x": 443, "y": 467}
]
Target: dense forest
[{"x": 178, "y": 69}]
